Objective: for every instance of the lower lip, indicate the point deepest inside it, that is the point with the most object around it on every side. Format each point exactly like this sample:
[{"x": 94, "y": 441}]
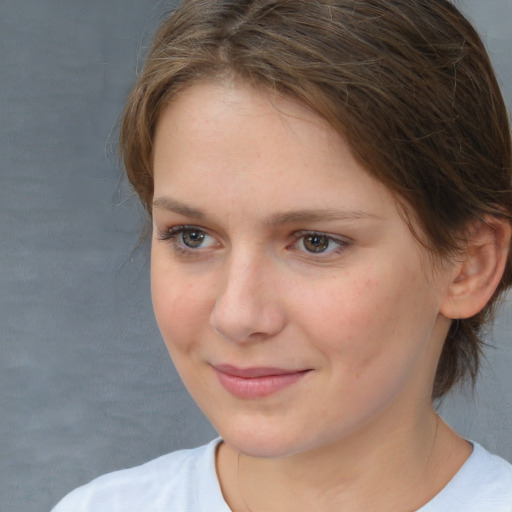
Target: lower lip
[{"x": 258, "y": 387}]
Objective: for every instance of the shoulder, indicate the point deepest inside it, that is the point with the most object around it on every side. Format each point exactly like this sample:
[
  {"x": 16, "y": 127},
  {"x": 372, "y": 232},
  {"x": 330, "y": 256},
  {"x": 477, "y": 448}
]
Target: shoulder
[
  {"x": 486, "y": 475},
  {"x": 181, "y": 480},
  {"x": 484, "y": 482}
]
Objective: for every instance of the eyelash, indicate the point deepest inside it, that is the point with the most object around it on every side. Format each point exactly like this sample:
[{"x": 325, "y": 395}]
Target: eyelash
[
  {"x": 171, "y": 236},
  {"x": 303, "y": 235}
]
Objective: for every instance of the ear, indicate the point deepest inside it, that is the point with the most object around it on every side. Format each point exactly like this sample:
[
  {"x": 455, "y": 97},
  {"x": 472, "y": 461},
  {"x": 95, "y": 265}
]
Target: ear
[{"x": 477, "y": 273}]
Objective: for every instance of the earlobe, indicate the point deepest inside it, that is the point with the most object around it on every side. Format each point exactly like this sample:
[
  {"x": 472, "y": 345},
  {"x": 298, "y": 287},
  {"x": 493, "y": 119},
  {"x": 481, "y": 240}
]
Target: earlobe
[{"x": 480, "y": 268}]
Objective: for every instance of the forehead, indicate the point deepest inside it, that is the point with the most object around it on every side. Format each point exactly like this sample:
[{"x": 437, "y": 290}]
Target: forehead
[
  {"x": 248, "y": 134},
  {"x": 218, "y": 109},
  {"x": 231, "y": 139}
]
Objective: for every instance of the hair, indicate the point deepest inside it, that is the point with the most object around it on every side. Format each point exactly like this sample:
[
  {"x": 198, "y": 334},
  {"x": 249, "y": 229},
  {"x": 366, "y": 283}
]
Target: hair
[{"x": 407, "y": 83}]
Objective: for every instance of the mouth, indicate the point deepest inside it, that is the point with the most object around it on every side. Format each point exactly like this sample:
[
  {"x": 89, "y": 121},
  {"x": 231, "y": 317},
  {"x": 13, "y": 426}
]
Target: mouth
[{"x": 256, "y": 382}]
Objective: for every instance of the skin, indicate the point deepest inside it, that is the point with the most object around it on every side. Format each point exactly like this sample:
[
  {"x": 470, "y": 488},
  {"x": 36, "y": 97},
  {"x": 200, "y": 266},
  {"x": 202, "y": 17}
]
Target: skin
[{"x": 255, "y": 174}]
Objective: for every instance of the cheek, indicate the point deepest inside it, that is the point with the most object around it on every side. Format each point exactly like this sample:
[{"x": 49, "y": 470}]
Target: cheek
[
  {"x": 374, "y": 344},
  {"x": 365, "y": 321},
  {"x": 180, "y": 305}
]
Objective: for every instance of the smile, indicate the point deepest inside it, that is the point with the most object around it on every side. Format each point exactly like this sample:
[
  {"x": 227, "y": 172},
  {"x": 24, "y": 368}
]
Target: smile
[{"x": 250, "y": 383}]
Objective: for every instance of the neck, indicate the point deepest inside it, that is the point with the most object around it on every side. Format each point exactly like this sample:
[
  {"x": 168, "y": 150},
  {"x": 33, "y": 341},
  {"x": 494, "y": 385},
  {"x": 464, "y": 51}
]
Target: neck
[{"x": 385, "y": 468}]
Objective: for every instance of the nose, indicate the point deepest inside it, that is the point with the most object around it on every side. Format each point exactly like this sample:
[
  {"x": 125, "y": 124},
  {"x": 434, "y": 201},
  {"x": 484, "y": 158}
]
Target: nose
[{"x": 248, "y": 306}]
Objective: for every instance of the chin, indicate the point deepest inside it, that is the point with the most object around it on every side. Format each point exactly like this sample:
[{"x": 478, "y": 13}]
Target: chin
[
  {"x": 263, "y": 448},
  {"x": 267, "y": 443}
]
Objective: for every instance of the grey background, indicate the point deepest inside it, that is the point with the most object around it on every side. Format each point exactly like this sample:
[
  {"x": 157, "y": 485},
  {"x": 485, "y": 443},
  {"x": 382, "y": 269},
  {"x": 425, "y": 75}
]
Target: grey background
[{"x": 86, "y": 383}]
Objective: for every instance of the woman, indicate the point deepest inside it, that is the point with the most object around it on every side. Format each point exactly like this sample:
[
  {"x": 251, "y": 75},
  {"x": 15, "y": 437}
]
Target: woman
[{"x": 329, "y": 185}]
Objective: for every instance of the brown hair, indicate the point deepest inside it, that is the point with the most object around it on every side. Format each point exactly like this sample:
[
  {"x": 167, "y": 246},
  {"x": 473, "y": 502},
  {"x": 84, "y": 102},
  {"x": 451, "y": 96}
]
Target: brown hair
[{"x": 407, "y": 83}]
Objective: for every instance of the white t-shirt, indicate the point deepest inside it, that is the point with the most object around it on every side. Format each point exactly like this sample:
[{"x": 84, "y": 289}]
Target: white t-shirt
[{"x": 186, "y": 481}]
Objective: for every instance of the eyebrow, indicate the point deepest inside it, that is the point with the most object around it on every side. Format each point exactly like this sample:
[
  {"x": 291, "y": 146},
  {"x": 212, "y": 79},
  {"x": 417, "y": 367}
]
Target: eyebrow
[
  {"x": 290, "y": 217},
  {"x": 167, "y": 203},
  {"x": 323, "y": 215}
]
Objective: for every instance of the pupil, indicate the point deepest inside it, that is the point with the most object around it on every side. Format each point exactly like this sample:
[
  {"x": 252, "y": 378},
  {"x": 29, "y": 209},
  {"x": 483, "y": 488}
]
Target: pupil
[
  {"x": 316, "y": 243},
  {"x": 193, "y": 238}
]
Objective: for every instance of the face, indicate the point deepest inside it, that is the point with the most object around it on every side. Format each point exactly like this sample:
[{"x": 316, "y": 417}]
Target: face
[{"x": 294, "y": 301}]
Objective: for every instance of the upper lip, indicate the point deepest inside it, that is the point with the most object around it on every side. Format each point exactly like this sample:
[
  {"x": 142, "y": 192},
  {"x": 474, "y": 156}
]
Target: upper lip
[{"x": 254, "y": 372}]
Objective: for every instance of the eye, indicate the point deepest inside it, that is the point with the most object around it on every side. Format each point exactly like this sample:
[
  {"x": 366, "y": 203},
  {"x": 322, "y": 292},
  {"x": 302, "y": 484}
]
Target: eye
[
  {"x": 187, "y": 238},
  {"x": 193, "y": 238},
  {"x": 316, "y": 243},
  {"x": 319, "y": 243}
]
